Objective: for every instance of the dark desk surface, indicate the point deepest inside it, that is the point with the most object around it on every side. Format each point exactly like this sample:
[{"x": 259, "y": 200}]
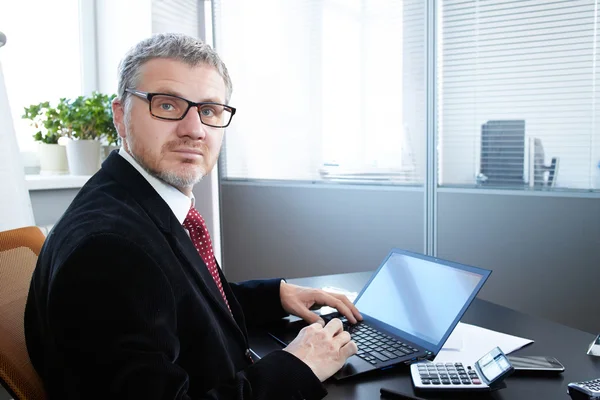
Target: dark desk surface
[{"x": 568, "y": 345}]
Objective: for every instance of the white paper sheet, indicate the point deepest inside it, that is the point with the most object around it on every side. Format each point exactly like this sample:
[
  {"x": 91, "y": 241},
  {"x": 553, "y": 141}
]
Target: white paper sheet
[
  {"x": 331, "y": 289},
  {"x": 468, "y": 343}
]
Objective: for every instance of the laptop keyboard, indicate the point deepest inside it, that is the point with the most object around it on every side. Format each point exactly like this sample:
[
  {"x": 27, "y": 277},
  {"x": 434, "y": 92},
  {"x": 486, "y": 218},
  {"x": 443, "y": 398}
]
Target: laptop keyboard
[{"x": 375, "y": 346}]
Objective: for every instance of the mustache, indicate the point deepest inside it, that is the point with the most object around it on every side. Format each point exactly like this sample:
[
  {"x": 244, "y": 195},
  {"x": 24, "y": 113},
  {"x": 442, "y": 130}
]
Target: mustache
[{"x": 185, "y": 144}]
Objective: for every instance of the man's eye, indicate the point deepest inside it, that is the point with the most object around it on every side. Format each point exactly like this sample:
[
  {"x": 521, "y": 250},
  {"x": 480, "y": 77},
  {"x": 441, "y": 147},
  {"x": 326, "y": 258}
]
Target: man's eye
[
  {"x": 167, "y": 107},
  {"x": 207, "y": 112}
]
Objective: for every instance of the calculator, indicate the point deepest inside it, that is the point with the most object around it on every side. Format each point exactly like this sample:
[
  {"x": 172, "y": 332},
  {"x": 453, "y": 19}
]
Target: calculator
[
  {"x": 485, "y": 375},
  {"x": 584, "y": 390}
]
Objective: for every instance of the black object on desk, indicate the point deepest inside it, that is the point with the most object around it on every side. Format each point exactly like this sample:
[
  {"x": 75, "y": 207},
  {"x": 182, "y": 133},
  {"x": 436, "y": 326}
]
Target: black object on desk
[{"x": 392, "y": 394}]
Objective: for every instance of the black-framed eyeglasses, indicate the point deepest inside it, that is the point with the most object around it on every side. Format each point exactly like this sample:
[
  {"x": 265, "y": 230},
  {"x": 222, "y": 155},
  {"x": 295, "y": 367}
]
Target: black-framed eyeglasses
[{"x": 175, "y": 108}]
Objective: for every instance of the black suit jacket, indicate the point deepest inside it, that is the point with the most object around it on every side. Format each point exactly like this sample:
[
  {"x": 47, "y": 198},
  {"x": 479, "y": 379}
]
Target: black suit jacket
[{"x": 121, "y": 306}]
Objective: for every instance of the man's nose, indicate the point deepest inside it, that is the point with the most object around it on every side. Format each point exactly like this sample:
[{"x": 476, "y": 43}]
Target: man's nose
[{"x": 192, "y": 126}]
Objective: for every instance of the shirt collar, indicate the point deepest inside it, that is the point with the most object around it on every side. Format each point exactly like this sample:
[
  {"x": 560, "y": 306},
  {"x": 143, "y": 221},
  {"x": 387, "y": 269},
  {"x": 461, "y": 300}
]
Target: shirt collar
[{"x": 178, "y": 202}]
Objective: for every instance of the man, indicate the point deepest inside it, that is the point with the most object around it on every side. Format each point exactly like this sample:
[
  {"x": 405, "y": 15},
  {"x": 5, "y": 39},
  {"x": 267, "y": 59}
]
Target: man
[{"x": 127, "y": 301}]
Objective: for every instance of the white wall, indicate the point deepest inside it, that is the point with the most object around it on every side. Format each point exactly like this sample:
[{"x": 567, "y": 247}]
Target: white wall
[{"x": 15, "y": 205}]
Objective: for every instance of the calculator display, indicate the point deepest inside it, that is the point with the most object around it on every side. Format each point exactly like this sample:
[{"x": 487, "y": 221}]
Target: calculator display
[{"x": 493, "y": 365}]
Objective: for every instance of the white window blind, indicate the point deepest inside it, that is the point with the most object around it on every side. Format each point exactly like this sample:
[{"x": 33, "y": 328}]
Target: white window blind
[
  {"x": 176, "y": 16},
  {"x": 325, "y": 90},
  {"x": 518, "y": 100}
]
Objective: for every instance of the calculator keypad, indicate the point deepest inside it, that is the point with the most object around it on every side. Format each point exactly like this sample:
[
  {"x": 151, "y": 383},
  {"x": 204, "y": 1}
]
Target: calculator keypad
[
  {"x": 446, "y": 376},
  {"x": 592, "y": 385}
]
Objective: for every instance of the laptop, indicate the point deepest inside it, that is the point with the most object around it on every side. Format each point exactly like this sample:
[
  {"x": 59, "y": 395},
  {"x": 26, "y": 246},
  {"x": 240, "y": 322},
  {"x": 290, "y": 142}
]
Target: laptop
[{"x": 410, "y": 306}]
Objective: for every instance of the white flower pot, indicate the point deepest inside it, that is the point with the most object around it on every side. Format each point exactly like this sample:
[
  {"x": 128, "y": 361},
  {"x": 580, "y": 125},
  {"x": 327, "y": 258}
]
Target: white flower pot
[
  {"x": 53, "y": 159},
  {"x": 83, "y": 156}
]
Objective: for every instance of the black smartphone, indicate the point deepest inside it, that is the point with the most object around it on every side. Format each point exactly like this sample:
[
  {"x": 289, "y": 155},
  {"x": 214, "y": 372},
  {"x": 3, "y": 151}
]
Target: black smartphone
[{"x": 538, "y": 364}]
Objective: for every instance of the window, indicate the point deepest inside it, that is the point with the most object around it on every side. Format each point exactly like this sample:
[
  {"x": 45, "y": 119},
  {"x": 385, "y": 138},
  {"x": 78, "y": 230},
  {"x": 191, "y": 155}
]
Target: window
[
  {"x": 176, "y": 16},
  {"x": 518, "y": 98},
  {"x": 41, "y": 59},
  {"x": 325, "y": 90}
]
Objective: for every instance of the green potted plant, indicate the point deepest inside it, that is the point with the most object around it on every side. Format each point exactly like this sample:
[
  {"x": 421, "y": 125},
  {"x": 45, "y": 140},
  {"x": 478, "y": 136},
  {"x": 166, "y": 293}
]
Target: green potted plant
[
  {"x": 86, "y": 121},
  {"x": 45, "y": 118}
]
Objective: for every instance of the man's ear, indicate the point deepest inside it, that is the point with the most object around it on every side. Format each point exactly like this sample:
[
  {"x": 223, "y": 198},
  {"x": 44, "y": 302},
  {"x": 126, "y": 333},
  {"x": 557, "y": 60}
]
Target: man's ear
[{"x": 119, "y": 117}]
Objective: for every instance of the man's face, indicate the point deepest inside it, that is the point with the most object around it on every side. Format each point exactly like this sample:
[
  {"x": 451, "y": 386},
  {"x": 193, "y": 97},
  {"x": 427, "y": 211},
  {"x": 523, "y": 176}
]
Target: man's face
[{"x": 177, "y": 152}]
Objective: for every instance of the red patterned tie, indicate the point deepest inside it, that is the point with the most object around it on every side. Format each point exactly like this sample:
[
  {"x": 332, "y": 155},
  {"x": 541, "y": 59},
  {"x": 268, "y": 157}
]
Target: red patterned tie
[{"x": 195, "y": 225}]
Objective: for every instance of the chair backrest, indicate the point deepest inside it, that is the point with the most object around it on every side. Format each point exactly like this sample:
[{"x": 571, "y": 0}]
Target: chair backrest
[
  {"x": 19, "y": 250},
  {"x": 503, "y": 152}
]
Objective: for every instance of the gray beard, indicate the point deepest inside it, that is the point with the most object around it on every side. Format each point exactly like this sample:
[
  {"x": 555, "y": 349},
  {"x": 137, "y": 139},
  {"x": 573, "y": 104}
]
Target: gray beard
[
  {"x": 170, "y": 178},
  {"x": 174, "y": 179}
]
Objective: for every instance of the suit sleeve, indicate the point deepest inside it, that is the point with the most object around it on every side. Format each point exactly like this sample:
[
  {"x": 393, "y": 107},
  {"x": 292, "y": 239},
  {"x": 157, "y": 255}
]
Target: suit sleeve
[
  {"x": 112, "y": 314},
  {"x": 260, "y": 300}
]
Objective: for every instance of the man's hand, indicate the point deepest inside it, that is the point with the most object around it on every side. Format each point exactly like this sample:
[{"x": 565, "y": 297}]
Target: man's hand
[
  {"x": 298, "y": 300},
  {"x": 323, "y": 349}
]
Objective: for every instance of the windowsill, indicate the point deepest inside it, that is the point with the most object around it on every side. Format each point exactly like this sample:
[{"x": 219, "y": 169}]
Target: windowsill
[{"x": 53, "y": 182}]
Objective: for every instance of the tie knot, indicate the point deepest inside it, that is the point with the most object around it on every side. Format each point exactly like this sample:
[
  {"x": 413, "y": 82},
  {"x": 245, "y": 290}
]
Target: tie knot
[{"x": 194, "y": 218}]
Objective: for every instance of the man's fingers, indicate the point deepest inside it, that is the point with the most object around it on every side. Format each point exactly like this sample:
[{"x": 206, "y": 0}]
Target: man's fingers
[
  {"x": 350, "y": 305},
  {"x": 348, "y": 349},
  {"x": 342, "y": 338},
  {"x": 331, "y": 300},
  {"x": 334, "y": 327}
]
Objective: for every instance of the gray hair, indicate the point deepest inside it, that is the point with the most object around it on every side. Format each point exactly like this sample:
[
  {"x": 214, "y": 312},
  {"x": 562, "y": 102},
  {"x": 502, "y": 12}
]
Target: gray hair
[{"x": 175, "y": 46}]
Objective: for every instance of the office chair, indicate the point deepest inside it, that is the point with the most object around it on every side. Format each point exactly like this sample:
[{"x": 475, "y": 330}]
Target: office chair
[
  {"x": 539, "y": 167},
  {"x": 19, "y": 250}
]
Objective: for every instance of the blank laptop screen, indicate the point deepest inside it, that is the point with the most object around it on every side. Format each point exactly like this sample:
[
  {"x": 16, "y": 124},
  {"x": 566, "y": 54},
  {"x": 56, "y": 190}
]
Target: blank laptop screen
[{"x": 417, "y": 296}]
